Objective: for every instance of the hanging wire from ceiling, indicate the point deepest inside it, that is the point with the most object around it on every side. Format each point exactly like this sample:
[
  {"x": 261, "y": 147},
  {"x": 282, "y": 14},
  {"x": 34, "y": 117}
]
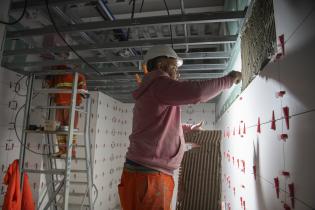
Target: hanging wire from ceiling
[
  {"x": 171, "y": 29},
  {"x": 64, "y": 40},
  {"x": 141, "y": 6},
  {"x": 132, "y": 15},
  {"x": 17, "y": 20}
]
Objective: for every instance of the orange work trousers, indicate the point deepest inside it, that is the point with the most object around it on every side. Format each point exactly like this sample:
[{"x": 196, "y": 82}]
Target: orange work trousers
[
  {"x": 62, "y": 115},
  {"x": 145, "y": 191}
]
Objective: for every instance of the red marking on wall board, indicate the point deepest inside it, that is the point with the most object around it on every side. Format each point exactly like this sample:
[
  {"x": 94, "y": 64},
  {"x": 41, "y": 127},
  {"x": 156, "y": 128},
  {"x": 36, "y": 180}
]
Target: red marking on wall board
[
  {"x": 273, "y": 121},
  {"x": 258, "y": 126},
  {"x": 284, "y": 136},
  {"x": 286, "y": 206},
  {"x": 277, "y": 186},
  {"x": 285, "y": 173},
  {"x": 280, "y": 94},
  {"x": 244, "y": 129},
  {"x": 291, "y": 193},
  {"x": 286, "y": 116}
]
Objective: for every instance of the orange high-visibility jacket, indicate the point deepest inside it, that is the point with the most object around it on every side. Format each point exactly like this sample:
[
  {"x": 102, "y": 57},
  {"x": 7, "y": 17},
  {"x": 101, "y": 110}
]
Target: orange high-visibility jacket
[
  {"x": 14, "y": 199},
  {"x": 65, "y": 82}
]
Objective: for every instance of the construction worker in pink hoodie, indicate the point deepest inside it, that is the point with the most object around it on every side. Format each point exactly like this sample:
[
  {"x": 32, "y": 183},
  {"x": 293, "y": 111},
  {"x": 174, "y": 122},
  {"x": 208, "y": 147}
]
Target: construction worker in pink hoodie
[{"x": 157, "y": 141}]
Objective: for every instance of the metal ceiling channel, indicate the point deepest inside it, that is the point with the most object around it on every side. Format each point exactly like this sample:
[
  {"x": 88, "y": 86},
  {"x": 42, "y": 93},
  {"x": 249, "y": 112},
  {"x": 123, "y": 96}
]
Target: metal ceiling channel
[
  {"x": 111, "y": 59},
  {"x": 129, "y": 44},
  {"x": 118, "y": 24},
  {"x": 202, "y": 53}
]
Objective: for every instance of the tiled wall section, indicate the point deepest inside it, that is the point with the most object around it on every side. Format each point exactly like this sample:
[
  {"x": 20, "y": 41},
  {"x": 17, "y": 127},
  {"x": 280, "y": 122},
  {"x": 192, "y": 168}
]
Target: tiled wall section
[{"x": 287, "y": 160}]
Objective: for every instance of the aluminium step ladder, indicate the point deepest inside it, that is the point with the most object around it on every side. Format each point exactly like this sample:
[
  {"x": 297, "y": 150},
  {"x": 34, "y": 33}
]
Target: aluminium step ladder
[{"x": 58, "y": 180}]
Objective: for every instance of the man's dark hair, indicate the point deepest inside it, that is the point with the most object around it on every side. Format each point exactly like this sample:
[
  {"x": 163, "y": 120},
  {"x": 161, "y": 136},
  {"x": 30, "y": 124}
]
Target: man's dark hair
[{"x": 152, "y": 63}]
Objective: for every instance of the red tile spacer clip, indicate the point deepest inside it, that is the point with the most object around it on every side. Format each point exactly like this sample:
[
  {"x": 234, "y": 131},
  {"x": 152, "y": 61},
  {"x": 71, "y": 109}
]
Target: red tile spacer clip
[
  {"x": 286, "y": 116},
  {"x": 286, "y": 206},
  {"x": 273, "y": 121},
  {"x": 277, "y": 186},
  {"x": 291, "y": 192},
  {"x": 281, "y": 45},
  {"x": 228, "y": 133},
  {"x": 254, "y": 170},
  {"x": 281, "y": 40},
  {"x": 243, "y": 163},
  {"x": 244, "y": 129},
  {"x": 283, "y": 136},
  {"x": 280, "y": 94},
  {"x": 258, "y": 126},
  {"x": 286, "y": 173}
]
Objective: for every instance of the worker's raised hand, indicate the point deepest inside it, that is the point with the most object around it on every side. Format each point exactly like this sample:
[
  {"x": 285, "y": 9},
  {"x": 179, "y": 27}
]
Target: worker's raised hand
[
  {"x": 197, "y": 127},
  {"x": 236, "y": 75}
]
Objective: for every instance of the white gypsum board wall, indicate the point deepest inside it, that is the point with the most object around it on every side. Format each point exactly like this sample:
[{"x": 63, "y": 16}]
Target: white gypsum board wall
[{"x": 292, "y": 73}]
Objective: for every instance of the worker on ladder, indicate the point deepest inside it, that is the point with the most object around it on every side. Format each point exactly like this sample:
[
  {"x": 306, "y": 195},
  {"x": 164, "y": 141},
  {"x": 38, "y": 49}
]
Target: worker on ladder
[{"x": 65, "y": 81}]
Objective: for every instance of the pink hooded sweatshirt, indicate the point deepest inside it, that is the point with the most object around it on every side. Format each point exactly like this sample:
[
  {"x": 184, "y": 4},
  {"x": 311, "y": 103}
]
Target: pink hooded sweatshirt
[{"x": 157, "y": 139}]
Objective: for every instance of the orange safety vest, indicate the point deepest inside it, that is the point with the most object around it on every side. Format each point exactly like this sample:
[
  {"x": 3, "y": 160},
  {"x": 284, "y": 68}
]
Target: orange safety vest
[
  {"x": 14, "y": 199},
  {"x": 65, "y": 82}
]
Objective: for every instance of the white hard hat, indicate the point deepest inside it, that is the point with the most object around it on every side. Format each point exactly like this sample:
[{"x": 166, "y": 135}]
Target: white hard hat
[{"x": 162, "y": 50}]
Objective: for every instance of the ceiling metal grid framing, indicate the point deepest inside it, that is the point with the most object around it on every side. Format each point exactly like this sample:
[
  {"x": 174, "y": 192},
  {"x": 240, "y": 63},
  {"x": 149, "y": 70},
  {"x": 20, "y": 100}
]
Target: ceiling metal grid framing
[{"x": 103, "y": 33}]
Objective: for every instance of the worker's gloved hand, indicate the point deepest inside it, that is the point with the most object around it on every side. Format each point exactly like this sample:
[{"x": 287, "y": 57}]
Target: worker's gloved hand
[
  {"x": 197, "y": 127},
  {"x": 236, "y": 75}
]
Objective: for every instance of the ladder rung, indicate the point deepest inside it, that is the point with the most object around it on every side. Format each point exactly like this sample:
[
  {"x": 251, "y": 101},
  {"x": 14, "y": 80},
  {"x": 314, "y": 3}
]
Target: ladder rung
[
  {"x": 59, "y": 90},
  {"x": 78, "y": 171},
  {"x": 78, "y": 183},
  {"x": 74, "y": 194},
  {"x": 72, "y": 205},
  {"x": 77, "y": 146},
  {"x": 78, "y": 108},
  {"x": 53, "y": 171},
  {"x": 63, "y": 158},
  {"x": 72, "y": 182},
  {"x": 52, "y": 132}
]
